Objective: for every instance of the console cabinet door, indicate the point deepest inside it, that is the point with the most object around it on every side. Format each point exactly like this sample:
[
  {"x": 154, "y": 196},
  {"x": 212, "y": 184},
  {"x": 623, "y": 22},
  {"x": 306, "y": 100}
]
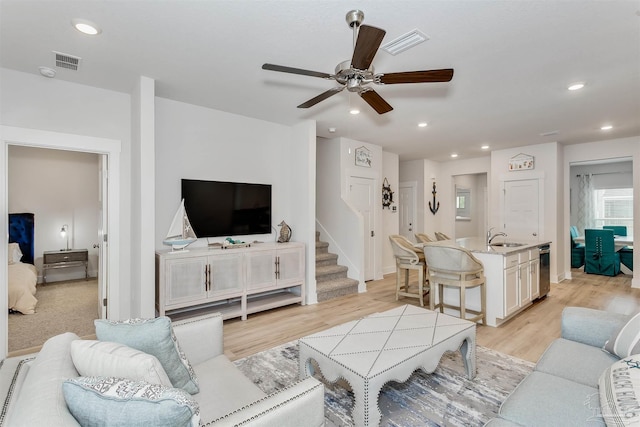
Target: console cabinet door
[
  {"x": 261, "y": 270},
  {"x": 534, "y": 278},
  {"x": 290, "y": 266},
  {"x": 186, "y": 280},
  {"x": 225, "y": 275},
  {"x": 524, "y": 284}
]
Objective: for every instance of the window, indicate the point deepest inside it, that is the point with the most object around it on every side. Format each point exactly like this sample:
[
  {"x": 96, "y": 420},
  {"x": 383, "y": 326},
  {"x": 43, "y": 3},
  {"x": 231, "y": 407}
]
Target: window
[{"x": 614, "y": 206}]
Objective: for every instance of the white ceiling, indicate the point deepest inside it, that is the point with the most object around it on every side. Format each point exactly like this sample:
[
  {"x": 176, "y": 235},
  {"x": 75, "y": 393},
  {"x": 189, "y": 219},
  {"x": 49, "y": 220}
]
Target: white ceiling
[{"x": 513, "y": 61}]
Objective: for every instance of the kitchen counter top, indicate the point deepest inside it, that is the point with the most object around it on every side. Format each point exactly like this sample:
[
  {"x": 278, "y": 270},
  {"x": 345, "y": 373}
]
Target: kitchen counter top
[{"x": 479, "y": 244}]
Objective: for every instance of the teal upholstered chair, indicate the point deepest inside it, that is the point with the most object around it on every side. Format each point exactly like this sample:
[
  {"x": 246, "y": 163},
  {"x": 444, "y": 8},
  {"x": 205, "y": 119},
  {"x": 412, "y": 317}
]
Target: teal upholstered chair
[
  {"x": 618, "y": 230},
  {"x": 626, "y": 253},
  {"x": 600, "y": 253},
  {"x": 577, "y": 249}
]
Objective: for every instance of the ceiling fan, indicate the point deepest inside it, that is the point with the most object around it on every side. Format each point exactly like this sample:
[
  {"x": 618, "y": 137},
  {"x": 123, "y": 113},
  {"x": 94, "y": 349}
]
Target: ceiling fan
[{"x": 356, "y": 74}]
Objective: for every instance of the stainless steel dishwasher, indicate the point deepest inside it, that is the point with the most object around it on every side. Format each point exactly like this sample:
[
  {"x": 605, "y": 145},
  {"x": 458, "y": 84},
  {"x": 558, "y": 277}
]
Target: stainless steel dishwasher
[{"x": 545, "y": 272}]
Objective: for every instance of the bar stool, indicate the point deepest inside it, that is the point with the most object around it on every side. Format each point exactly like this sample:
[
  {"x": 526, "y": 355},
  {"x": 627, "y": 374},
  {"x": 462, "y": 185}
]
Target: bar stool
[
  {"x": 441, "y": 236},
  {"x": 454, "y": 266},
  {"x": 408, "y": 257},
  {"x": 423, "y": 238}
]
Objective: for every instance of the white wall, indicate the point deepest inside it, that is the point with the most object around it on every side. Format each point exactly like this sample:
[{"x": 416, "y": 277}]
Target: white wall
[
  {"x": 546, "y": 171},
  {"x": 390, "y": 217},
  {"x": 35, "y": 102},
  {"x": 200, "y": 143},
  {"x": 477, "y": 186},
  {"x": 59, "y": 187}
]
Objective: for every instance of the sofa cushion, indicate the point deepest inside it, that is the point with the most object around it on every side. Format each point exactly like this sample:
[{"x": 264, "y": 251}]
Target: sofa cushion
[
  {"x": 109, "y": 359},
  {"x": 575, "y": 361},
  {"x": 40, "y": 401},
  {"x": 626, "y": 340},
  {"x": 152, "y": 336},
  {"x": 223, "y": 388},
  {"x": 114, "y": 402},
  {"x": 620, "y": 392},
  {"x": 546, "y": 400}
]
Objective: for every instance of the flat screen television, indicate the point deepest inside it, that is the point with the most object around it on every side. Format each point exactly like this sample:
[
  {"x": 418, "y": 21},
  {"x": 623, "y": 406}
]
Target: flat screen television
[{"x": 225, "y": 209}]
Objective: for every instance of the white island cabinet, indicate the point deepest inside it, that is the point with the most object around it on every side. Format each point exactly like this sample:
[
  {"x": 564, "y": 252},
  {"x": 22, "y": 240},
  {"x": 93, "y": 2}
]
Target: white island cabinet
[
  {"x": 235, "y": 282},
  {"x": 512, "y": 277}
]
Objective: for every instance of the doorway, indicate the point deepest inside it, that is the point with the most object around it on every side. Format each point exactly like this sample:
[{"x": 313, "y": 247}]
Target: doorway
[
  {"x": 407, "y": 208},
  {"x": 361, "y": 197},
  {"x": 109, "y": 149},
  {"x": 61, "y": 189}
]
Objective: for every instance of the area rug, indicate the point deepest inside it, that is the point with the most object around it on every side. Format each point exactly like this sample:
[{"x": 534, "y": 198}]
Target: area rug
[{"x": 444, "y": 398}]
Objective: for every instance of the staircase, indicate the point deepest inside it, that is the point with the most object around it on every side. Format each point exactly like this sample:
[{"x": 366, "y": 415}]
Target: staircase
[{"x": 331, "y": 278}]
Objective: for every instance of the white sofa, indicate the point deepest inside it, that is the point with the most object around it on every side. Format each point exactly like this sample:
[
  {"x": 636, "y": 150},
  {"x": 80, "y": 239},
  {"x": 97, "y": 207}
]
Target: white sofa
[{"x": 31, "y": 386}]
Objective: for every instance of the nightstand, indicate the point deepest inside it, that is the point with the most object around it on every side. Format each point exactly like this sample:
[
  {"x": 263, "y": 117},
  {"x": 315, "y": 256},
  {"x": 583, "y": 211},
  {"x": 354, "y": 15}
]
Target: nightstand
[{"x": 65, "y": 259}]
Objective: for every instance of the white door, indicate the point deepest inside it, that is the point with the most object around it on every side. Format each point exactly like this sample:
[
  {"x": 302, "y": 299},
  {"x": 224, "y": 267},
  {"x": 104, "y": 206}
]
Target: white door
[
  {"x": 361, "y": 198},
  {"x": 407, "y": 210},
  {"x": 521, "y": 209},
  {"x": 102, "y": 237}
]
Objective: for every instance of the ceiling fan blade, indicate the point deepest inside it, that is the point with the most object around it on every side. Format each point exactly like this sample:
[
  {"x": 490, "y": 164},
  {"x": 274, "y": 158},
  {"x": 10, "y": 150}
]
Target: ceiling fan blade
[
  {"x": 376, "y": 101},
  {"x": 430, "y": 76},
  {"x": 367, "y": 44},
  {"x": 292, "y": 70},
  {"x": 321, "y": 97}
]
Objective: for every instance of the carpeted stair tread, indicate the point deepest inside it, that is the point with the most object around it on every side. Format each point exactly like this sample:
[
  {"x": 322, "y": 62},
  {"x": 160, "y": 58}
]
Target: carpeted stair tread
[
  {"x": 326, "y": 259},
  {"x": 322, "y": 247},
  {"x": 336, "y": 288}
]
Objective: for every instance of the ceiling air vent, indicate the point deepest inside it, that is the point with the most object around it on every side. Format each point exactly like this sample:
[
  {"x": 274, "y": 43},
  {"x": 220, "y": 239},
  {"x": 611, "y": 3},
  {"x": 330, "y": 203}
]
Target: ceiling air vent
[
  {"x": 404, "y": 42},
  {"x": 64, "y": 60}
]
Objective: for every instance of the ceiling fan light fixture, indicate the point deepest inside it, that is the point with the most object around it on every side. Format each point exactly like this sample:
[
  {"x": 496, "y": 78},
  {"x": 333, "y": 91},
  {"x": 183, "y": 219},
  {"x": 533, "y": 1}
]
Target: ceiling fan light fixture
[{"x": 576, "y": 86}]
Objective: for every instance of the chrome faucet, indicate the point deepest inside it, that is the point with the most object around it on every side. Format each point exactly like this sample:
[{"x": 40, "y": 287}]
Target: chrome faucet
[{"x": 491, "y": 237}]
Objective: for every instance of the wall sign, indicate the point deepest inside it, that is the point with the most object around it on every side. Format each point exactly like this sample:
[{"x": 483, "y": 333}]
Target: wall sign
[
  {"x": 521, "y": 162},
  {"x": 363, "y": 157}
]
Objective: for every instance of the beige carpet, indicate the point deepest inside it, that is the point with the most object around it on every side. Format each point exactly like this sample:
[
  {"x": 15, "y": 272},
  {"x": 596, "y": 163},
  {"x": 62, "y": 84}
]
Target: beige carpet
[{"x": 62, "y": 306}]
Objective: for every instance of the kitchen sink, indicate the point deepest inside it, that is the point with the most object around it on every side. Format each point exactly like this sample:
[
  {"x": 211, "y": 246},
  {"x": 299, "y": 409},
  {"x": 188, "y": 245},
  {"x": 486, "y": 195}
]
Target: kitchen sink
[{"x": 508, "y": 244}]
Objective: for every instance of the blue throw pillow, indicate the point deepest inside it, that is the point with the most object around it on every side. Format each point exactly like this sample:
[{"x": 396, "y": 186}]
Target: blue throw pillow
[
  {"x": 155, "y": 337},
  {"x": 119, "y": 402}
]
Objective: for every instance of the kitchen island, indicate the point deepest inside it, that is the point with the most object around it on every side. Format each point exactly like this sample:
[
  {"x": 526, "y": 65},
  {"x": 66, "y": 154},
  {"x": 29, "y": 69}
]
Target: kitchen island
[{"x": 512, "y": 276}]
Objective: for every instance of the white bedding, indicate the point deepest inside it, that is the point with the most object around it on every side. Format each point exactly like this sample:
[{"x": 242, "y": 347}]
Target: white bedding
[{"x": 22, "y": 287}]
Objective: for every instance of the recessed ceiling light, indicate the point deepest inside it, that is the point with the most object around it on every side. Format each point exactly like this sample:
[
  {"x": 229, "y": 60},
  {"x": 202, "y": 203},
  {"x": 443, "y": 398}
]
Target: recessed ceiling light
[
  {"x": 576, "y": 86},
  {"x": 454, "y": 155},
  {"x": 422, "y": 125},
  {"x": 354, "y": 111},
  {"x": 332, "y": 130},
  {"x": 485, "y": 147},
  {"x": 47, "y": 72},
  {"x": 86, "y": 27},
  {"x": 606, "y": 127}
]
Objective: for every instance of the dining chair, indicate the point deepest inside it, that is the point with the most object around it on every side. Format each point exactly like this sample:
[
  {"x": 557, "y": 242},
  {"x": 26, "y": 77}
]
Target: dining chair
[
  {"x": 409, "y": 257},
  {"x": 618, "y": 230},
  {"x": 600, "y": 253},
  {"x": 451, "y": 266},
  {"x": 577, "y": 249},
  {"x": 423, "y": 238},
  {"x": 441, "y": 236}
]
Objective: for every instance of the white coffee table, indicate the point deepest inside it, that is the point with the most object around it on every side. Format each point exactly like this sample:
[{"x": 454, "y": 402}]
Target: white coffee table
[{"x": 383, "y": 347}]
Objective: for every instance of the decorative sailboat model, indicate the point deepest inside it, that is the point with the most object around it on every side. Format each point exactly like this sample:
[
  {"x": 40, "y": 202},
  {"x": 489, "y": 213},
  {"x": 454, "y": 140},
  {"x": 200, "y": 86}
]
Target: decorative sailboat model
[{"x": 180, "y": 233}]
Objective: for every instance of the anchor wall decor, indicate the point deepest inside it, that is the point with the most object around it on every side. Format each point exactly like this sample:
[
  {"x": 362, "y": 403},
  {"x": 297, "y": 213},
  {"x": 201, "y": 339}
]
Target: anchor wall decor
[{"x": 436, "y": 205}]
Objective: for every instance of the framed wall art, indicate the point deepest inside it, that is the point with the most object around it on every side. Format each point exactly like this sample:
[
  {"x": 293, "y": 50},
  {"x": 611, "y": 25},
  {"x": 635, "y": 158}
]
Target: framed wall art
[{"x": 363, "y": 157}]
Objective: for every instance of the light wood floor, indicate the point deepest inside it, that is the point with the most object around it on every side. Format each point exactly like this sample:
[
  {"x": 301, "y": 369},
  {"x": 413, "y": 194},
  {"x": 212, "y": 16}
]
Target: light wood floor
[{"x": 526, "y": 336}]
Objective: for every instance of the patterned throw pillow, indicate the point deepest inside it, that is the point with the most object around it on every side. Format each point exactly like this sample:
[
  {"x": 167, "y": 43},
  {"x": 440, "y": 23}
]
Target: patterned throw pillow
[
  {"x": 156, "y": 337},
  {"x": 619, "y": 388},
  {"x": 626, "y": 340},
  {"x": 114, "y": 402},
  {"x": 109, "y": 359}
]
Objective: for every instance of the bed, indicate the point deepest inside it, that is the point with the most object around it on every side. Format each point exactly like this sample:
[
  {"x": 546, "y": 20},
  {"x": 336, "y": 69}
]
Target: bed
[{"x": 22, "y": 274}]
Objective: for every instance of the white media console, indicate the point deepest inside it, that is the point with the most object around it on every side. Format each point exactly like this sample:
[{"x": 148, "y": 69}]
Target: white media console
[{"x": 235, "y": 282}]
